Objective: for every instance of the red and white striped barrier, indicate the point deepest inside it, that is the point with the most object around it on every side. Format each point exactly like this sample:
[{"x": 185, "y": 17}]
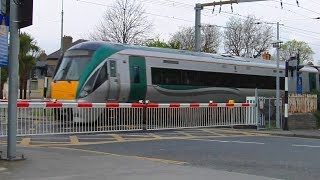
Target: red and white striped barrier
[
  {"x": 73, "y": 105},
  {"x": 27, "y": 104},
  {"x": 198, "y": 105}
]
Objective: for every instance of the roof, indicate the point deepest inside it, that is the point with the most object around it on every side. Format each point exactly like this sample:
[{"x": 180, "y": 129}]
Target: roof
[
  {"x": 41, "y": 64},
  {"x": 56, "y": 55}
]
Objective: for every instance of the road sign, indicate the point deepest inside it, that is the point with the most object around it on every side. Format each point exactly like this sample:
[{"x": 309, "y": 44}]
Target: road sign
[{"x": 4, "y": 29}]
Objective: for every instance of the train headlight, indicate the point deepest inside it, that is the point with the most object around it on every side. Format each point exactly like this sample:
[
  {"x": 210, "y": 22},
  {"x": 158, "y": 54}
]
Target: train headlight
[
  {"x": 85, "y": 91},
  {"x": 83, "y": 94}
]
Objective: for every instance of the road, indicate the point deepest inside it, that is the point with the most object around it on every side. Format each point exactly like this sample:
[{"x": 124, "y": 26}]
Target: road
[{"x": 227, "y": 150}]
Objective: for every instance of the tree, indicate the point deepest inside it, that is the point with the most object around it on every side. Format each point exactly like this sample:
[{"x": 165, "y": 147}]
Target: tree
[
  {"x": 290, "y": 48},
  {"x": 210, "y": 38},
  {"x": 247, "y": 38},
  {"x": 185, "y": 36},
  {"x": 124, "y": 22},
  {"x": 162, "y": 44},
  {"x": 27, "y": 58},
  {"x": 157, "y": 43}
]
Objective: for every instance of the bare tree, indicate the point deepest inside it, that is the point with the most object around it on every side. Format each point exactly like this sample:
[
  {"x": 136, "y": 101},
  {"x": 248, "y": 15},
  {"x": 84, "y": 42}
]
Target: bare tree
[
  {"x": 247, "y": 37},
  {"x": 185, "y": 36},
  {"x": 124, "y": 22},
  {"x": 210, "y": 38}
]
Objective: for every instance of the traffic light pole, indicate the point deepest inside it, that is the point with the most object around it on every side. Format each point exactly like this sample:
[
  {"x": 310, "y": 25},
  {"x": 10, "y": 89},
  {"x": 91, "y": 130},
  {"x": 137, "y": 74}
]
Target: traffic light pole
[
  {"x": 13, "y": 82},
  {"x": 286, "y": 100}
]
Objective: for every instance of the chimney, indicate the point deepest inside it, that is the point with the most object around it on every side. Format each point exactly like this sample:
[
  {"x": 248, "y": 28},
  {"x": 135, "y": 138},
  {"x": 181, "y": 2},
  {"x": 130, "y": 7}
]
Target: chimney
[
  {"x": 266, "y": 56},
  {"x": 67, "y": 43},
  {"x": 43, "y": 56}
]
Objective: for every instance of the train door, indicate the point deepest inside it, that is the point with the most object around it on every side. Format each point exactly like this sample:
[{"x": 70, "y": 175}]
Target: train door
[
  {"x": 113, "y": 81},
  {"x": 138, "y": 79}
]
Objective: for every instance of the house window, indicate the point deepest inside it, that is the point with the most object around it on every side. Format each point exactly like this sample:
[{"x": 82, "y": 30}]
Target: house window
[{"x": 33, "y": 85}]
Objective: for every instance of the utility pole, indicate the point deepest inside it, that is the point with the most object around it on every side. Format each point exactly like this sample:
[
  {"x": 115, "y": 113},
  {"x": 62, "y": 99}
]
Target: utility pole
[
  {"x": 198, "y": 9},
  {"x": 61, "y": 48},
  {"x": 278, "y": 80},
  {"x": 13, "y": 82}
]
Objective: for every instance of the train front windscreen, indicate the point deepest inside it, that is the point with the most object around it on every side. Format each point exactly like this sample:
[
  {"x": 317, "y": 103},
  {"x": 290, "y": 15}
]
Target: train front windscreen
[{"x": 65, "y": 81}]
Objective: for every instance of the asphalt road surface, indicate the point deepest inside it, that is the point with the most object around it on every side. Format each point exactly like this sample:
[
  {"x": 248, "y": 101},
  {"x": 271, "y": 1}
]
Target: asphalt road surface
[{"x": 232, "y": 151}]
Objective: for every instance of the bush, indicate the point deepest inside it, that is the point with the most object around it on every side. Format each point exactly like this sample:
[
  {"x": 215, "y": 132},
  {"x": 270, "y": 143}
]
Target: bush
[{"x": 317, "y": 115}]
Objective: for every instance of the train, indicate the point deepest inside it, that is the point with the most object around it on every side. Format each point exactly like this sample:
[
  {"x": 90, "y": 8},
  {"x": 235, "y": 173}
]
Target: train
[{"x": 110, "y": 72}]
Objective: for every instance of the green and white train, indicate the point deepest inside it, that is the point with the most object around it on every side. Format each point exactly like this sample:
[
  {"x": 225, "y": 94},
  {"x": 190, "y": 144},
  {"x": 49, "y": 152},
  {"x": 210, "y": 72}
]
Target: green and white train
[{"x": 107, "y": 72}]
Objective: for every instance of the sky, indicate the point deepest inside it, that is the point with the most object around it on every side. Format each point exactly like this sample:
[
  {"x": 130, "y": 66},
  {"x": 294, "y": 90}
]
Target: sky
[{"x": 82, "y": 16}]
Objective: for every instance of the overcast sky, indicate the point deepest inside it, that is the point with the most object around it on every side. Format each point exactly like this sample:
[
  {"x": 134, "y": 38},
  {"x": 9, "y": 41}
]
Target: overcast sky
[{"x": 82, "y": 16}]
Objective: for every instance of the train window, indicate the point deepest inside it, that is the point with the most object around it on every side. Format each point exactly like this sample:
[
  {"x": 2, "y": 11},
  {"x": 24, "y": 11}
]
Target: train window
[
  {"x": 212, "y": 79},
  {"x": 156, "y": 76},
  {"x": 102, "y": 77},
  {"x": 113, "y": 68},
  {"x": 136, "y": 77}
]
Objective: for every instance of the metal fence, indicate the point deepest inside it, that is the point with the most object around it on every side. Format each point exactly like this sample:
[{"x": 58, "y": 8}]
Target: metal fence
[
  {"x": 43, "y": 118},
  {"x": 173, "y": 116},
  {"x": 71, "y": 118},
  {"x": 267, "y": 112}
]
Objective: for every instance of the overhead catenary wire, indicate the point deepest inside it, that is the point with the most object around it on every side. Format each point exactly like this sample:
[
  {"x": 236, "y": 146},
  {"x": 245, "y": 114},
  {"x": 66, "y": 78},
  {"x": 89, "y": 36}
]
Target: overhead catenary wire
[{"x": 207, "y": 9}]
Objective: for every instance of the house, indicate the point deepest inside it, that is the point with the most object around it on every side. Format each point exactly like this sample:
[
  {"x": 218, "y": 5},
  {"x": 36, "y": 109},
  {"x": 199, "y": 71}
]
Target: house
[{"x": 45, "y": 67}]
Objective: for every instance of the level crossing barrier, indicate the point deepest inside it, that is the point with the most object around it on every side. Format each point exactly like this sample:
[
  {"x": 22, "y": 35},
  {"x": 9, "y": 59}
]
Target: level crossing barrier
[{"x": 44, "y": 118}]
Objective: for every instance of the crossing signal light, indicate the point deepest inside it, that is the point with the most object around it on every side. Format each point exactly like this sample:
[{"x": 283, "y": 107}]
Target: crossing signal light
[{"x": 25, "y": 11}]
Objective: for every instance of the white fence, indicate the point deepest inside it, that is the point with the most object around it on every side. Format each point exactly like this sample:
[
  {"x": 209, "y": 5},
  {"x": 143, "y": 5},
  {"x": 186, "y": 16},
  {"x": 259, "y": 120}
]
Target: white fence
[
  {"x": 41, "y": 118},
  {"x": 173, "y": 116}
]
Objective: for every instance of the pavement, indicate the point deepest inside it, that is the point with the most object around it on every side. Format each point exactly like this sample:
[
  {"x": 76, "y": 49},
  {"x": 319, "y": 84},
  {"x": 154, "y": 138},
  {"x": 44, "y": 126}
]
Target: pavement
[
  {"x": 200, "y": 153},
  {"x": 61, "y": 164},
  {"x": 291, "y": 133}
]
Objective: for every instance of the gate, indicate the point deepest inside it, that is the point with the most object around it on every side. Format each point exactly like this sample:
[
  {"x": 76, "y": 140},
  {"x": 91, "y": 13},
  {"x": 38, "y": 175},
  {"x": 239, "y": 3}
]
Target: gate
[
  {"x": 267, "y": 112},
  {"x": 43, "y": 118}
]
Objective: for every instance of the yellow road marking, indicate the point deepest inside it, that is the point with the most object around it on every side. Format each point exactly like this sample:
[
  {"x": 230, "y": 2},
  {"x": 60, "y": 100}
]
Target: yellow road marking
[
  {"x": 155, "y": 136},
  {"x": 93, "y": 138},
  {"x": 211, "y": 132},
  {"x": 25, "y": 141},
  {"x": 49, "y": 142},
  {"x": 117, "y": 137},
  {"x": 74, "y": 140},
  {"x": 119, "y": 155},
  {"x": 230, "y": 131},
  {"x": 139, "y": 140},
  {"x": 184, "y": 133}
]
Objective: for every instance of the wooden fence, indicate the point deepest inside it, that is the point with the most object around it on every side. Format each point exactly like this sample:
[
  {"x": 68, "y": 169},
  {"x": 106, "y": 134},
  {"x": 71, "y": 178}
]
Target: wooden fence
[{"x": 305, "y": 103}]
